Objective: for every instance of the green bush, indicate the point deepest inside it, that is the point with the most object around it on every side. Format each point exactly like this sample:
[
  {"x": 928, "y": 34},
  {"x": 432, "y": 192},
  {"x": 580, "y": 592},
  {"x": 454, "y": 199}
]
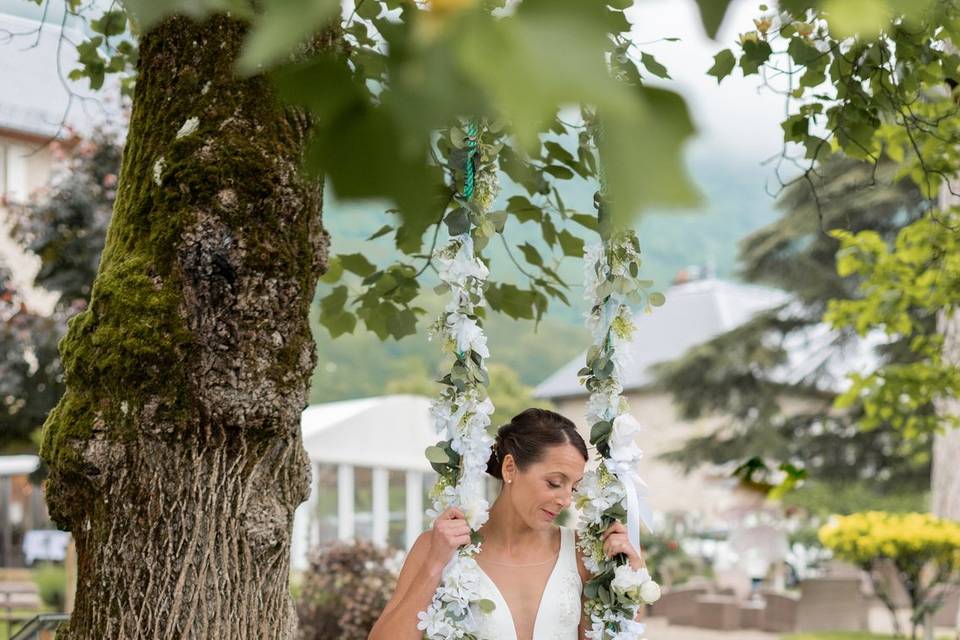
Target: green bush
[
  {"x": 343, "y": 592},
  {"x": 51, "y": 581},
  {"x": 669, "y": 564}
]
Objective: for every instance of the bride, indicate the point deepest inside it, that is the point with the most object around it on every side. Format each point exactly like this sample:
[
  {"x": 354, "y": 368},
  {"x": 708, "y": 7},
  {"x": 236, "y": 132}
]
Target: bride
[{"x": 531, "y": 568}]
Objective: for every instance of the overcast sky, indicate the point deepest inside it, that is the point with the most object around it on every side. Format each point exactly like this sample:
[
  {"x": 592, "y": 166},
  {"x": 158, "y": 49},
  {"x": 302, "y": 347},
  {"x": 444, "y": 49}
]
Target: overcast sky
[{"x": 733, "y": 116}]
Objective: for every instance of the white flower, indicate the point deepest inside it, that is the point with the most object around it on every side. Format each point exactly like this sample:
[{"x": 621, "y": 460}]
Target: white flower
[
  {"x": 474, "y": 507},
  {"x": 434, "y": 623},
  {"x": 629, "y": 630},
  {"x": 456, "y": 263},
  {"x": 626, "y": 583},
  {"x": 634, "y": 587},
  {"x": 468, "y": 334},
  {"x": 605, "y": 403},
  {"x": 650, "y": 592},
  {"x": 623, "y": 439}
]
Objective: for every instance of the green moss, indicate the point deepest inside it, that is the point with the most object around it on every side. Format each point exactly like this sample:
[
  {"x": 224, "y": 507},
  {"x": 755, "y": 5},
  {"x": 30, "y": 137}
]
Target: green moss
[
  {"x": 129, "y": 347},
  {"x": 125, "y": 349}
]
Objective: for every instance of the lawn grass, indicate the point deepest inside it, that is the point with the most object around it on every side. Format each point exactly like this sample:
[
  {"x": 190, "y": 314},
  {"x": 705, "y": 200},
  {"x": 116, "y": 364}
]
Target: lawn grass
[{"x": 840, "y": 635}]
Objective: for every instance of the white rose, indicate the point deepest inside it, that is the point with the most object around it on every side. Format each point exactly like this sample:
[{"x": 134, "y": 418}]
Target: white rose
[
  {"x": 650, "y": 592},
  {"x": 623, "y": 439},
  {"x": 626, "y": 584}
]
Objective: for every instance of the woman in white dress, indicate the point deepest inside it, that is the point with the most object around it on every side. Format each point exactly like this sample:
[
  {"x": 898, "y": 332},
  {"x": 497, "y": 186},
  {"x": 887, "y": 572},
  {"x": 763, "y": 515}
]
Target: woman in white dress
[{"x": 531, "y": 568}]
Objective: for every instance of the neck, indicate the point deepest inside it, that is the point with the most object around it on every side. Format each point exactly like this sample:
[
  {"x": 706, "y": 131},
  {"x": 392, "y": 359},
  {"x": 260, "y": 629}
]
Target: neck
[{"x": 507, "y": 531}]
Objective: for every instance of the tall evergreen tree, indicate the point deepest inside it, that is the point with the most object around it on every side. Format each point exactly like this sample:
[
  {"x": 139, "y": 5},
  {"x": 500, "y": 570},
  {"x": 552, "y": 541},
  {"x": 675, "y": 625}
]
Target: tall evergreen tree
[{"x": 779, "y": 409}]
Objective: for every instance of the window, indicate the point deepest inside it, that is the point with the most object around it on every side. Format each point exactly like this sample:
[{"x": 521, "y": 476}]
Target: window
[
  {"x": 363, "y": 503},
  {"x": 397, "y": 505},
  {"x": 13, "y": 172},
  {"x": 326, "y": 502}
]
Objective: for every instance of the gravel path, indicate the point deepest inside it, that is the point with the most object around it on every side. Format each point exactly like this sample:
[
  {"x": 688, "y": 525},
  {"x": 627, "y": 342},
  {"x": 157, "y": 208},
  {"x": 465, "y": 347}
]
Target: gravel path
[{"x": 658, "y": 629}]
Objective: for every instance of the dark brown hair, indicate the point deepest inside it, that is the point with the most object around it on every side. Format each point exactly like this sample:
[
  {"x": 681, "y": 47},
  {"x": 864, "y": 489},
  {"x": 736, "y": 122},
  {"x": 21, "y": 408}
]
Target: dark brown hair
[{"x": 528, "y": 435}]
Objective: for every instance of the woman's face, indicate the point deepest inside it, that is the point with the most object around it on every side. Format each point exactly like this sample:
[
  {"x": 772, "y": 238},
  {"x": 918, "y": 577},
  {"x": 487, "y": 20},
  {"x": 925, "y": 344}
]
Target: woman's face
[{"x": 544, "y": 488}]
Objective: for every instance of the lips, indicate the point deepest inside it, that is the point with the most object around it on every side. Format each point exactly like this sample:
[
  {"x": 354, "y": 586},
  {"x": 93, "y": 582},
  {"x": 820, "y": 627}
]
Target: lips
[{"x": 550, "y": 514}]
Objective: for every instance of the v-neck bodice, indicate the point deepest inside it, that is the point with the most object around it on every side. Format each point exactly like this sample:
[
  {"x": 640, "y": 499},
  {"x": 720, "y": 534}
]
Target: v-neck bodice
[{"x": 558, "y": 614}]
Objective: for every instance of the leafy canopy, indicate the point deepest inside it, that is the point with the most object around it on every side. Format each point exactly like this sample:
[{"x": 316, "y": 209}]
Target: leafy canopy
[{"x": 388, "y": 83}]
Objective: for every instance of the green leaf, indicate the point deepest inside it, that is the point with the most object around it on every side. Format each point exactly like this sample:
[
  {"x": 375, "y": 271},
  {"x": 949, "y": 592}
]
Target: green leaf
[
  {"x": 437, "y": 455},
  {"x": 600, "y": 431},
  {"x": 795, "y": 128},
  {"x": 585, "y": 220},
  {"x": 334, "y": 270},
  {"x": 281, "y": 26},
  {"x": 368, "y": 9},
  {"x": 723, "y": 64},
  {"x": 531, "y": 254},
  {"x": 657, "y": 299},
  {"x": 357, "y": 263},
  {"x": 402, "y": 323},
  {"x": 642, "y": 154},
  {"x": 653, "y": 66},
  {"x": 382, "y": 231},
  {"x": 486, "y": 606},
  {"x": 802, "y": 52},
  {"x": 545, "y": 55},
  {"x": 755, "y": 54},
  {"x": 571, "y": 244},
  {"x": 712, "y": 13},
  {"x": 457, "y": 221},
  {"x": 499, "y": 220},
  {"x": 523, "y": 209},
  {"x": 111, "y": 23},
  {"x": 511, "y": 300},
  {"x": 559, "y": 171},
  {"x": 332, "y": 313}
]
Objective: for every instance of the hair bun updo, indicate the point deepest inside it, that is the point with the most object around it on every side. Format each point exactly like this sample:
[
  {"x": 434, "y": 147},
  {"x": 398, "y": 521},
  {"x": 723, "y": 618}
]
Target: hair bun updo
[{"x": 527, "y": 437}]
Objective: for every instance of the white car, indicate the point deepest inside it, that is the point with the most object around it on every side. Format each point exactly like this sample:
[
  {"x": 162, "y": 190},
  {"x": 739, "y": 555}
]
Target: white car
[{"x": 45, "y": 544}]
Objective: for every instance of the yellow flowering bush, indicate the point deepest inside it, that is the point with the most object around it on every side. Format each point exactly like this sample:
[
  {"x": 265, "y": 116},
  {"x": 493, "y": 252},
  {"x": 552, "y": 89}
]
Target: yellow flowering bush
[{"x": 923, "y": 550}]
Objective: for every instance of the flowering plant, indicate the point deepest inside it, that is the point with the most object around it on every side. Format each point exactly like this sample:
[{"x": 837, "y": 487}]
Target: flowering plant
[
  {"x": 613, "y": 491},
  {"x": 462, "y": 411}
]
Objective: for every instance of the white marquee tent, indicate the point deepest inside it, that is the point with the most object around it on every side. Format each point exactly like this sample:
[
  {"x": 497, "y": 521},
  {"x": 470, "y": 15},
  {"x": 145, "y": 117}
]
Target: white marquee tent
[{"x": 369, "y": 472}]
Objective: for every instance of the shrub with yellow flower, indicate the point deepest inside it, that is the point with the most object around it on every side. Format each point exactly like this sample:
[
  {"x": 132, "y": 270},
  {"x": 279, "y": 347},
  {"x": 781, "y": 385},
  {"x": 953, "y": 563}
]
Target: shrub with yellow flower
[{"x": 922, "y": 550}]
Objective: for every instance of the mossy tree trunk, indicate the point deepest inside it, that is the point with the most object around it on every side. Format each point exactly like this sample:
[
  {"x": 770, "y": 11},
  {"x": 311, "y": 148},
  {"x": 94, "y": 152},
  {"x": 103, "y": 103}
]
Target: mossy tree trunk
[{"x": 175, "y": 456}]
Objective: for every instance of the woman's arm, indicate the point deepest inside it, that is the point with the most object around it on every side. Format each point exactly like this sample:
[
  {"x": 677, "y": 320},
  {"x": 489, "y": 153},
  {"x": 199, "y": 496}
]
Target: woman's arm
[
  {"x": 420, "y": 576},
  {"x": 616, "y": 541}
]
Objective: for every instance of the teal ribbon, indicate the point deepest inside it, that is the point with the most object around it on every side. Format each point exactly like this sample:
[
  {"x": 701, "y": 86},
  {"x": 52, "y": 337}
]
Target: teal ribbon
[{"x": 470, "y": 168}]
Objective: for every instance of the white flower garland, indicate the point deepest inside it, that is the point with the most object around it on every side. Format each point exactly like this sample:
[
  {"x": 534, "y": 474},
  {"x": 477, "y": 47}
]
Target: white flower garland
[
  {"x": 613, "y": 490},
  {"x": 462, "y": 414}
]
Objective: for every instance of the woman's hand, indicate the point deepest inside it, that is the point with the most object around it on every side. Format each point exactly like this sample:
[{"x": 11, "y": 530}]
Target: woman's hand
[
  {"x": 450, "y": 532},
  {"x": 615, "y": 540}
]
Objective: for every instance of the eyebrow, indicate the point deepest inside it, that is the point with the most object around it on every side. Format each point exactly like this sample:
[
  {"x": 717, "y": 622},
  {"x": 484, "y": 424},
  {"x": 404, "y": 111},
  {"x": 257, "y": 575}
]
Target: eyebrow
[{"x": 565, "y": 476}]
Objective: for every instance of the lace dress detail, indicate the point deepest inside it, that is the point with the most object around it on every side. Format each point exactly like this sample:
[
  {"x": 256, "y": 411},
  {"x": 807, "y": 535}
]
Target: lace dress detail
[{"x": 559, "y": 614}]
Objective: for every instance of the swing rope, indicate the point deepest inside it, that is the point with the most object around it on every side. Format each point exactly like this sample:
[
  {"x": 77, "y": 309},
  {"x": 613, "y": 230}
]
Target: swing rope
[
  {"x": 612, "y": 491},
  {"x": 462, "y": 411}
]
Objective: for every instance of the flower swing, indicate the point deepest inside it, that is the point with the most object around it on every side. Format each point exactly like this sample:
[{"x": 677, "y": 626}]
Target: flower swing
[{"x": 610, "y": 491}]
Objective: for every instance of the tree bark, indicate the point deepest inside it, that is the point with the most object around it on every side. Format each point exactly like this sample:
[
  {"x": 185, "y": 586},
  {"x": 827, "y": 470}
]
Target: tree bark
[
  {"x": 945, "y": 479},
  {"x": 175, "y": 454}
]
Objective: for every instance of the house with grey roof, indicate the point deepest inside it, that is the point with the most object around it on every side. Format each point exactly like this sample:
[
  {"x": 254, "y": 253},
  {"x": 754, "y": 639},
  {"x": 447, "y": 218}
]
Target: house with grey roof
[
  {"x": 694, "y": 313},
  {"x": 39, "y": 104}
]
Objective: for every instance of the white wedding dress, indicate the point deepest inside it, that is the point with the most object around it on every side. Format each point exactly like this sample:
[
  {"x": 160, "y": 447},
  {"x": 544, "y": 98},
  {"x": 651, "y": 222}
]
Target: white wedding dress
[{"x": 559, "y": 614}]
